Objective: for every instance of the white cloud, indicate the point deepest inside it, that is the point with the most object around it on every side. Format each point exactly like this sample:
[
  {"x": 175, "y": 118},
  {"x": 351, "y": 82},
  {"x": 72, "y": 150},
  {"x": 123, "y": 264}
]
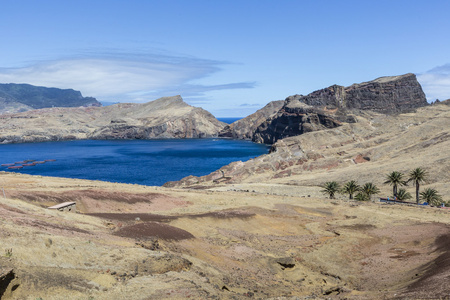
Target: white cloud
[
  {"x": 436, "y": 82},
  {"x": 121, "y": 77}
]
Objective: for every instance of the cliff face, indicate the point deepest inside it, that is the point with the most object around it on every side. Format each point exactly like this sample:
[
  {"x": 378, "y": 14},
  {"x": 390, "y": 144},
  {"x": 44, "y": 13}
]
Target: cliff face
[
  {"x": 23, "y": 97},
  {"x": 168, "y": 117},
  {"x": 391, "y": 94},
  {"x": 246, "y": 127},
  {"x": 353, "y": 151},
  {"x": 329, "y": 107},
  {"x": 293, "y": 121}
]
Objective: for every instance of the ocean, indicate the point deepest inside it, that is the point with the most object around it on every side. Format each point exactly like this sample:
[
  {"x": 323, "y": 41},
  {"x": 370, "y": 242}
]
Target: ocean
[
  {"x": 228, "y": 120},
  {"x": 147, "y": 162}
]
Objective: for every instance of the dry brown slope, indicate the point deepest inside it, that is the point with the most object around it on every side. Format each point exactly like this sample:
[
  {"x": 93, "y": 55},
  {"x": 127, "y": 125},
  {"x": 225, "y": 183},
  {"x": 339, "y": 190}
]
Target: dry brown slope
[
  {"x": 364, "y": 151},
  {"x": 168, "y": 117},
  {"x": 244, "y": 245}
]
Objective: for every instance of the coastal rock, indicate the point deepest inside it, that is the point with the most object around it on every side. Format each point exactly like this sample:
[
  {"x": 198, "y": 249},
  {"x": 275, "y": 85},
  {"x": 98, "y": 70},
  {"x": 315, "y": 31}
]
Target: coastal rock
[
  {"x": 167, "y": 117},
  {"x": 245, "y": 128},
  {"x": 390, "y": 94},
  {"x": 292, "y": 121},
  {"x": 331, "y": 106},
  {"x": 413, "y": 138}
]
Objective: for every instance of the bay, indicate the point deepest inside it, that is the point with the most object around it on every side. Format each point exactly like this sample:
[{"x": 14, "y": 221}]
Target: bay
[
  {"x": 228, "y": 120},
  {"x": 147, "y": 162}
]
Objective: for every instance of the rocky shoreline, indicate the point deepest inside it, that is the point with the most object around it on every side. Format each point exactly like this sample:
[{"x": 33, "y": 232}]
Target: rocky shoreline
[
  {"x": 171, "y": 117},
  {"x": 259, "y": 229}
]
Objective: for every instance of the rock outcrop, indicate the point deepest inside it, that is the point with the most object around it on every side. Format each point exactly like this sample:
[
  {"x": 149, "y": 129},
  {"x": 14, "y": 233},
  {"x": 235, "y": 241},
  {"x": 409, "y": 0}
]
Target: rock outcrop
[
  {"x": 329, "y": 107},
  {"x": 295, "y": 120},
  {"x": 23, "y": 97},
  {"x": 363, "y": 151},
  {"x": 390, "y": 94},
  {"x": 246, "y": 127},
  {"x": 168, "y": 117}
]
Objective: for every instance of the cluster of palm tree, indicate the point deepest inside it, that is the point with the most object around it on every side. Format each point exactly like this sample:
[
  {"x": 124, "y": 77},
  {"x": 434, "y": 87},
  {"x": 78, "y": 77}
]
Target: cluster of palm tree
[
  {"x": 396, "y": 179},
  {"x": 416, "y": 176},
  {"x": 362, "y": 193}
]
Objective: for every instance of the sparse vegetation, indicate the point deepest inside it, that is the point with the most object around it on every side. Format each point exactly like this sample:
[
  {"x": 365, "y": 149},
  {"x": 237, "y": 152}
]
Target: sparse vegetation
[
  {"x": 431, "y": 196},
  {"x": 417, "y": 176},
  {"x": 8, "y": 252},
  {"x": 395, "y": 179},
  {"x": 350, "y": 188},
  {"x": 362, "y": 197},
  {"x": 369, "y": 189},
  {"x": 403, "y": 195},
  {"x": 331, "y": 188}
]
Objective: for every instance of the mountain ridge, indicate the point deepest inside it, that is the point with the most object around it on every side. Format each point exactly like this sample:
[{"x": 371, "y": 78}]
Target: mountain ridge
[
  {"x": 331, "y": 106},
  {"x": 167, "y": 117},
  {"x": 20, "y": 97}
]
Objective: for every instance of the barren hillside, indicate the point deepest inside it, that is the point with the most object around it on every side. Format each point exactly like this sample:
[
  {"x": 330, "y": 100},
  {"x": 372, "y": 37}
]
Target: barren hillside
[
  {"x": 364, "y": 151},
  {"x": 137, "y": 242},
  {"x": 168, "y": 117},
  {"x": 260, "y": 229}
]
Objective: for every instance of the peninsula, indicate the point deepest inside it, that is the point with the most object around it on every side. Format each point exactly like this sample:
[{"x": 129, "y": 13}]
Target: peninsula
[{"x": 261, "y": 229}]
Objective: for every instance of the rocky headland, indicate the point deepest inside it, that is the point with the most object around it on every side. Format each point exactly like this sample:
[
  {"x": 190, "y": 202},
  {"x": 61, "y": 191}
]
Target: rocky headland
[
  {"x": 374, "y": 144},
  {"x": 246, "y": 127},
  {"x": 171, "y": 117},
  {"x": 167, "y": 117},
  {"x": 24, "y": 97},
  {"x": 260, "y": 229},
  {"x": 331, "y": 107}
]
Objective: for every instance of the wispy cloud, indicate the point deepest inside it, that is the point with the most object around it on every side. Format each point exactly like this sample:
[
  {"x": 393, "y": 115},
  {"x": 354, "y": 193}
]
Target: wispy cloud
[
  {"x": 197, "y": 91},
  {"x": 436, "y": 82},
  {"x": 122, "y": 76},
  {"x": 250, "y": 105}
]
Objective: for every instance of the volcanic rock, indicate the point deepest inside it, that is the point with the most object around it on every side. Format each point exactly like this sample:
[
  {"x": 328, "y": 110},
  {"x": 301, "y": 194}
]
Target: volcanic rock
[
  {"x": 419, "y": 138},
  {"x": 329, "y": 107},
  {"x": 245, "y": 128},
  {"x": 390, "y": 94},
  {"x": 292, "y": 121},
  {"x": 167, "y": 117}
]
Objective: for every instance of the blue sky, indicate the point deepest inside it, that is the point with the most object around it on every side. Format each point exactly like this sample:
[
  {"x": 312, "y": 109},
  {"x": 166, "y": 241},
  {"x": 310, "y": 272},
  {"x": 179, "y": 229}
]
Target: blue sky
[{"x": 229, "y": 57}]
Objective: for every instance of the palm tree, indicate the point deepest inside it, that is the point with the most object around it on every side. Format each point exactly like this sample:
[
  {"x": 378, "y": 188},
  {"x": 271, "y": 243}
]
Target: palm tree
[
  {"x": 330, "y": 188},
  {"x": 350, "y": 188},
  {"x": 417, "y": 176},
  {"x": 403, "y": 195},
  {"x": 362, "y": 197},
  {"x": 431, "y": 196},
  {"x": 395, "y": 179},
  {"x": 370, "y": 189}
]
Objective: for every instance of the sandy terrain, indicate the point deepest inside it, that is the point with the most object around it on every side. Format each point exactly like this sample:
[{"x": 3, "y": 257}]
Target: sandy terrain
[{"x": 137, "y": 242}]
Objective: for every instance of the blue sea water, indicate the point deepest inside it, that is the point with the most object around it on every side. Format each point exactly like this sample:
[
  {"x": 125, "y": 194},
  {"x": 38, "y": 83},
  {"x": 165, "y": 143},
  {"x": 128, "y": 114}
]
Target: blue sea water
[
  {"x": 228, "y": 120},
  {"x": 147, "y": 162}
]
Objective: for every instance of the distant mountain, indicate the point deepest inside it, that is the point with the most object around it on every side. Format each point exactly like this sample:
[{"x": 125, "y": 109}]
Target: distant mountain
[{"x": 23, "y": 97}]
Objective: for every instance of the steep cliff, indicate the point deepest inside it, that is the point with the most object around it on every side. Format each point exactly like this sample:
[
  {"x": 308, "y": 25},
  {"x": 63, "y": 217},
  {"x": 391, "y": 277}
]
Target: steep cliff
[
  {"x": 292, "y": 121},
  {"x": 362, "y": 151},
  {"x": 246, "y": 127},
  {"x": 23, "y": 97},
  {"x": 390, "y": 94},
  {"x": 168, "y": 117},
  {"x": 329, "y": 107}
]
